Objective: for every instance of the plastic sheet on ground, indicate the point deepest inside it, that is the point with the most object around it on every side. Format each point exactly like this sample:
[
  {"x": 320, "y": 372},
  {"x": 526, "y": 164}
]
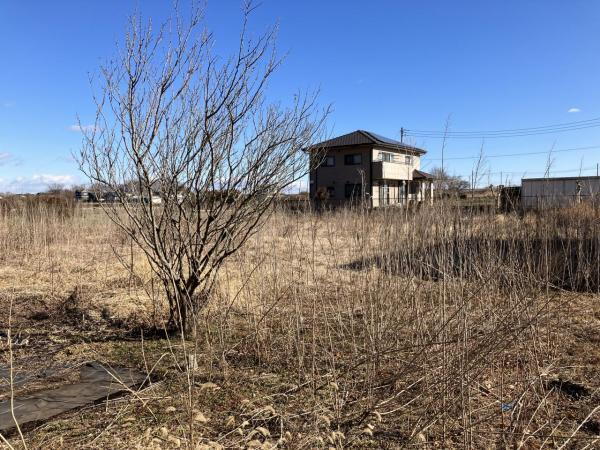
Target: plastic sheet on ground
[{"x": 96, "y": 382}]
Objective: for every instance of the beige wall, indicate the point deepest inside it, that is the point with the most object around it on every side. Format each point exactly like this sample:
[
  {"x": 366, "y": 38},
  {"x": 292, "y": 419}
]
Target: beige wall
[
  {"x": 341, "y": 174},
  {"x": 408, "y": 168},
  {"x": 383, "y": 170}
]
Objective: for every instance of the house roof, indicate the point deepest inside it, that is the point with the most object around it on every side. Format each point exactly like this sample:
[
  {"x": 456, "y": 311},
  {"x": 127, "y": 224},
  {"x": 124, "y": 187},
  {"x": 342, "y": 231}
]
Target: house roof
[
  {"x": 420, "y": 174},
  {"x": 362, "y": 137}
]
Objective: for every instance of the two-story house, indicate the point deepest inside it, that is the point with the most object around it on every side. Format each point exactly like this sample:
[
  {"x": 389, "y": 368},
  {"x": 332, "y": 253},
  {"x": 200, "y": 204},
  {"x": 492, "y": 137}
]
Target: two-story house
[{"x": 364, "y": 167}]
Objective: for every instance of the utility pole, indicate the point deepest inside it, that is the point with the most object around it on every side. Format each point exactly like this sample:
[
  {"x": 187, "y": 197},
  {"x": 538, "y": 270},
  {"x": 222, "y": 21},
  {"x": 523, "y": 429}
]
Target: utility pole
[
  {"x": 597, "y": 164},
  {"x": 402, "y": 135}
]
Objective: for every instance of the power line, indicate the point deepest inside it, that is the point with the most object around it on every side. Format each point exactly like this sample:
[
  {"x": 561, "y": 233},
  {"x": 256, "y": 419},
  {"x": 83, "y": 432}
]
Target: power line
[
  {"x": 515, "y": 129},
  {"x": 504, "y": 155},
  {"x": 499, "y": 136},
  {"x": 514, "y": 132},
  {"x": 512, "y": 129},
  {"x": 579, "y": 169}
]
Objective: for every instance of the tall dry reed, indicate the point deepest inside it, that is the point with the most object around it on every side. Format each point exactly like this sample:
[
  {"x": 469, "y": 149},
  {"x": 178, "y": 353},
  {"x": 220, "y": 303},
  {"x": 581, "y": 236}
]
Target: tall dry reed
[{"x": 389, "y": 327}]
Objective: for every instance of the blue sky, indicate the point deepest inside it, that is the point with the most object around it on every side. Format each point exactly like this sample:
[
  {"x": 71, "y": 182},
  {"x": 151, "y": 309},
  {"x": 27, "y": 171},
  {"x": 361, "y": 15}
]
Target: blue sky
[{"x": 382, "y": 64}]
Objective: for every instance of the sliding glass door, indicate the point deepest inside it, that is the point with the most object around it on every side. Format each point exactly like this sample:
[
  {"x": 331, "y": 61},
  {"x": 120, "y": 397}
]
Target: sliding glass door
[{"x": 384, "y": 193}]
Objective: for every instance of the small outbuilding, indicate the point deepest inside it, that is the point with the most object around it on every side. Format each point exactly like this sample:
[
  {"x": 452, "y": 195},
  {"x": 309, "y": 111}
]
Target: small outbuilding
[{"x": 539, "y": 193}]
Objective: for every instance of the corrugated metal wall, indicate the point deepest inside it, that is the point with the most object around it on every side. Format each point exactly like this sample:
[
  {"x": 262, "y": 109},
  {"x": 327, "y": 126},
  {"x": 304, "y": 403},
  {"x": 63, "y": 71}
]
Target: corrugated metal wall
[{"x": 557, "y": 192}]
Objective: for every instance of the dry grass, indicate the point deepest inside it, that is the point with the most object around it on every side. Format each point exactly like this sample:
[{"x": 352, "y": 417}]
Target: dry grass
[{"x": 346, "y": 329}]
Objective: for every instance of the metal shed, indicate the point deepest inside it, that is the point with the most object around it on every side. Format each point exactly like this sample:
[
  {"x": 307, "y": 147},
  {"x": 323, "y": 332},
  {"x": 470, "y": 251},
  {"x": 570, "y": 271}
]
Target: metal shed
[{"x": 558, "y": 192}]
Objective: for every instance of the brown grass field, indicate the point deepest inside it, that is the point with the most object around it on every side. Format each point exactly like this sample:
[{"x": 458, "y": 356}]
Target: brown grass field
[{"x": 351, "y": 328}]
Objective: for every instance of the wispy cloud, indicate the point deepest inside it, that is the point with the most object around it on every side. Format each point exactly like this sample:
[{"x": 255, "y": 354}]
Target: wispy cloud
[
  {"x": 574, "y": 110},
  {"x": 8, "y": 104},
  {"x": 35, "y": 183},
  {"x": 66, "y": 159},
  {"x": 7, "y": 158},
  {"x": 82, "y": 128}
]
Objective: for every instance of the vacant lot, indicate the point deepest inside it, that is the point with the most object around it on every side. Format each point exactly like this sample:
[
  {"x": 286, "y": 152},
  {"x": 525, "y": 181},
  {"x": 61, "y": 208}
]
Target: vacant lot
[{"x": 429, "y": 329}]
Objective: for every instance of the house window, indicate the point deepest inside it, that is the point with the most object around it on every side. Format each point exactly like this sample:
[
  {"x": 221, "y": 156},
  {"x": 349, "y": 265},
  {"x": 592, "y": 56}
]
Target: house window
[
  {"x": 408, "y": 159},
  {"x": 330, "y": 191},
  {"x": 328, "y": 161},
  {"x": 353, "y": 160},
  {"x": 353, "y": 190},
  {"x": 386, "y": 157}
]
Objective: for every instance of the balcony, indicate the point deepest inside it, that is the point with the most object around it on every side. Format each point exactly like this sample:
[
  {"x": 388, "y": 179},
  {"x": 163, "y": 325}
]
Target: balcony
[{"x": 384, "y": 170}]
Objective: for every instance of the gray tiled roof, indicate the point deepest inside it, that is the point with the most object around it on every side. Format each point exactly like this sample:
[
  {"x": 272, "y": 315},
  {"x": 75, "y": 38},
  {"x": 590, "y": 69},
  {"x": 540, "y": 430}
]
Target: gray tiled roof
[
  {"x": 362, "y": 137},
  {"x": 420, "y": 174}
]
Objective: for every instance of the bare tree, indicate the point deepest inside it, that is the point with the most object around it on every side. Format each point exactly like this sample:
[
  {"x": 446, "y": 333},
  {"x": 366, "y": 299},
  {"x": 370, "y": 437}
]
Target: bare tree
[
  {"x": 445, "y": 138},
  {"x": 175, "y": 120},
  {"x": 479, "y": 167},
  {"x": 55, "y": 188},
  {"x": 443, "y": 181},
  {"x": 549, "y": 161}
]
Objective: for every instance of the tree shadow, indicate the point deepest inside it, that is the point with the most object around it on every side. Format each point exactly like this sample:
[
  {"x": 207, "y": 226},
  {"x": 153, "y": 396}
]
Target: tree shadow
[{"x": 566, "y": 263}]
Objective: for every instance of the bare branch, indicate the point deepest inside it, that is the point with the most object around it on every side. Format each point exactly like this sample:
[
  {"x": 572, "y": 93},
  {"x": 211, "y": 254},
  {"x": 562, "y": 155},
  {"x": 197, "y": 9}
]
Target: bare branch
[{"x": 176, "y": 122}]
